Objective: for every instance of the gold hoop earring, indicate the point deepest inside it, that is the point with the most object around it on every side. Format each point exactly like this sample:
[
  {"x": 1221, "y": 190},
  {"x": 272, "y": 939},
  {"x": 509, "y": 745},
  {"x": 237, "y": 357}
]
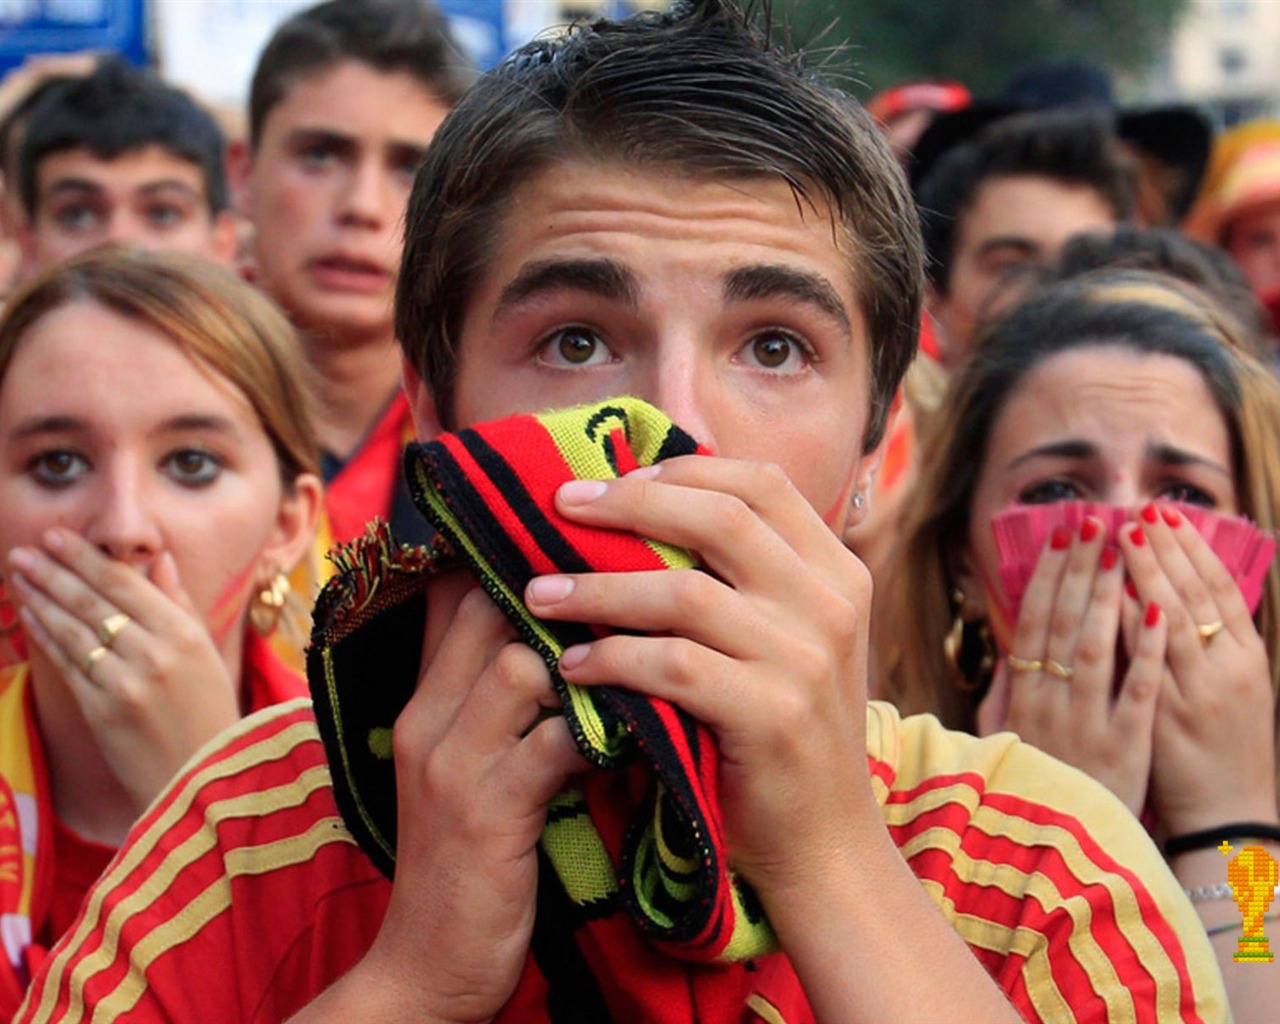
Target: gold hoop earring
[
  {"x": 953, "y": 642},
  {"x": 968, "y": 648},
  {"x": 268, "y": 604}
]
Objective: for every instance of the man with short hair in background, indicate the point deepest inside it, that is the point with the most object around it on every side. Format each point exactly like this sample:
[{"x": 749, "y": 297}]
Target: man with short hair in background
[{"x": 344, "y": 100}]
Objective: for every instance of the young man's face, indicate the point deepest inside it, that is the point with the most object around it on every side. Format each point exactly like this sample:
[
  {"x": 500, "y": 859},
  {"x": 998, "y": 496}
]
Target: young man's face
[
  {"x": 1013, "y": 226},
  {"x": 148, "y": 197},
  {"x": 326, "y": 189},
  {"x": 721, "y": 302}
]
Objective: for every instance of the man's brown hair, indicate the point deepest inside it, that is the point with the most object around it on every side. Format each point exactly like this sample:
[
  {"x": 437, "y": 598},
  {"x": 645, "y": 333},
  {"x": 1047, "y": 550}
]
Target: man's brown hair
[{"x": 700, "y": 90}]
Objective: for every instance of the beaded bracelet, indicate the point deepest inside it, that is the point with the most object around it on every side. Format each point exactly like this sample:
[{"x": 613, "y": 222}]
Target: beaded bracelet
[
  {"x": 1200, "y": 893},
  {"x": 1211, "y": 837}
]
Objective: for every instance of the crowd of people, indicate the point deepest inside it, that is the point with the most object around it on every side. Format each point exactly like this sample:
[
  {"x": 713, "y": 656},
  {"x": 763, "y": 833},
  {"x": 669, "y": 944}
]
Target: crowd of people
[{"x": 353, "y": 470}]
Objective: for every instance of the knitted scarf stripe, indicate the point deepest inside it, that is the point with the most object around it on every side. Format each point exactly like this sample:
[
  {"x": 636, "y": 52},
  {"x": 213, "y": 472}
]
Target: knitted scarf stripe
[{"x": 653, "y": 844}]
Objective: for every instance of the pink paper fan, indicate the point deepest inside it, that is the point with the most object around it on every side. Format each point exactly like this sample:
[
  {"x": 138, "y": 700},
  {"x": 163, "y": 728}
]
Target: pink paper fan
[{"x": 1022, "y": 531}]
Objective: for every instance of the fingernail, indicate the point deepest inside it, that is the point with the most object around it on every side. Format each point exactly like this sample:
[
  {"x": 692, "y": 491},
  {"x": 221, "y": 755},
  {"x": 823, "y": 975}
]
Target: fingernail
[
  {"x": 1150, "y": 514},
  {"x": 1153, "y": 614},
  {"x": 19, "y": 583},
  {"x": 1130, "y": 589},
  {"x": 54, "y": 540},
  {"x": 1109, "y": 557},
  {"x": 581, "y": 492},
  {"x": 549, "y": 589},
  {"x": 644, "y": 473},
  {"x": 574, "y": 656},
  {"x": 1061, "y": 538},
  {"x": 1137, "y": 537},
  {"x": 22, "y": 559},
  {"x": 1172, "y": 516},
  {"x": 1088, "y": 530}
]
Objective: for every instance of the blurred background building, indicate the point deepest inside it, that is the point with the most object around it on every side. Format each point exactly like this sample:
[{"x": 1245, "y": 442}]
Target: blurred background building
[{"x": 1224, "y": 54}]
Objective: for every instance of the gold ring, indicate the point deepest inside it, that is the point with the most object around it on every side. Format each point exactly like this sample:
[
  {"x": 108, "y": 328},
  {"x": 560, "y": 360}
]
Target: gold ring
[
  {"x": 1056, "y": 668},
  {"x": 1017, "y": 664},
  {"x": 1208, "y": 631},
  {"x": 111, "y": 627},
  {"x": 91, "y": 659}
]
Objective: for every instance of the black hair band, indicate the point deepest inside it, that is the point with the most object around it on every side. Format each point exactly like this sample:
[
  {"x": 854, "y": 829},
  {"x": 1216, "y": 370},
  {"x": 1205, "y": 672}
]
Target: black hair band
[{"x": 1211, "y": 837}]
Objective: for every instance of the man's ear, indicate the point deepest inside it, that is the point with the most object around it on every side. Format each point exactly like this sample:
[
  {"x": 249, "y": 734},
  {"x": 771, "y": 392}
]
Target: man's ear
[
  {"x": 240, "y": 175},
  {"x": 24, "y": 232},
  {"x": 225, "y": 238},
  {"x": 869, "y": 467},
  {"x": 422, "y": 403},
  {"x": 938, "y": 308}
]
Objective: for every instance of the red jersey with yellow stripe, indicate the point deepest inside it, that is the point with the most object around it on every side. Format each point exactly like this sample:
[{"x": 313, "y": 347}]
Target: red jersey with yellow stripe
[
  {"x": 241, "y": 895},
  {"x": 45, "y": 869}
]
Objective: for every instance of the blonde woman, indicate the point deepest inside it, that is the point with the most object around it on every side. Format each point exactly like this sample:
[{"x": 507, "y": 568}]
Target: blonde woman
[{"x": 157, "y": 477}]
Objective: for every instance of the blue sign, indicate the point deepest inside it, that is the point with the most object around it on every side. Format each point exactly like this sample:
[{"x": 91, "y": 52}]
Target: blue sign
[
  {"x": 480, "y": 28},
  {"x": 61, "y": 26}
]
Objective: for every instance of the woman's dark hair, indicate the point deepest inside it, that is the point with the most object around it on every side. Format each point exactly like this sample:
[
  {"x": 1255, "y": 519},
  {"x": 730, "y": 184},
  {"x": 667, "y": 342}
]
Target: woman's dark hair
[{"x": 1149, "y": 314}]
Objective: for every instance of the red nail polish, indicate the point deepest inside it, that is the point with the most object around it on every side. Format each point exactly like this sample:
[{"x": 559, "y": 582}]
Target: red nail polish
[
  {"x": 1061, "y": 538},
  {"x": 1138, "y": 538},
  {"x": 1108, "y": 559},
  {"x": 1172, "y": 516},
  {"x": 1130, "y": 589},
  {"x": 1153, "y": 614},
  {"x": 1088, "y": 530},
  {"x": 1150, "y": 514}
]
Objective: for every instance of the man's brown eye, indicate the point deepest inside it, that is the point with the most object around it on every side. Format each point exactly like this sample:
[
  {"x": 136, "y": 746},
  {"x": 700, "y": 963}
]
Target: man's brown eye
[
  {"x": 576, "y": 346},
  {"x": 772, "y": 351}
]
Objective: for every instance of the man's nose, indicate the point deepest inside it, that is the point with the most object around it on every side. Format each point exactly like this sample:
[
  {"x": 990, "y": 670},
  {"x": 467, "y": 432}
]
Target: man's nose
[
  {"x": 365, "y": 199},
  {"x": 685, "y": 390},
  {"x": 125, "y": 229}
]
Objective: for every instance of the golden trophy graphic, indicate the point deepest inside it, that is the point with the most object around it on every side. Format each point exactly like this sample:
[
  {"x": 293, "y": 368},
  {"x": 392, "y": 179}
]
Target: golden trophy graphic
[{"x": 1252, "y": 875}]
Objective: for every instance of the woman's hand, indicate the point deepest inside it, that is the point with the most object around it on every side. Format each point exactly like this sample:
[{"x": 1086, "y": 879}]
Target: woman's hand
[
  {"x": 160, "y": 690},
  {"x": 1214, "y": 757},
  {"x": 1056, "y": 688}
]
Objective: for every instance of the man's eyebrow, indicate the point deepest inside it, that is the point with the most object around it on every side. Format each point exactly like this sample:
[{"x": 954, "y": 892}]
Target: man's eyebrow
[
  {"x": 303, "y": 135},
  {"x": 771, "y": 281},
  {"x": 1015, "y": 242},
  {"x": 601, "y": 277},
  {"x": 1057, "y": 450},
  {"x": 169, "y": 184},
  {"x": 72, "y": 185},
  {"x": 1171, "y": 455},
  {"x": 399, "y": 150}
]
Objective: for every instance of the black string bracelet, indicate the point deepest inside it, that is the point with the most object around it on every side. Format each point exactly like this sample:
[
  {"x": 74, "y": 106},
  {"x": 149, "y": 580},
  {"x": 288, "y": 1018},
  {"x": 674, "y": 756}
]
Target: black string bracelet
[{"x": 1211, "y": 837}]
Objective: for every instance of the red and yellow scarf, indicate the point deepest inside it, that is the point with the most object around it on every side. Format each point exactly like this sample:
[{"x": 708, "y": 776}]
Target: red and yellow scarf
[{"x": 638, "y": 901}]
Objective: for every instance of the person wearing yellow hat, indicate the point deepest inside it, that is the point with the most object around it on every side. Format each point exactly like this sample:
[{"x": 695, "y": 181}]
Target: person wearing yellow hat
[{"x": 1239, "y": 206}]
